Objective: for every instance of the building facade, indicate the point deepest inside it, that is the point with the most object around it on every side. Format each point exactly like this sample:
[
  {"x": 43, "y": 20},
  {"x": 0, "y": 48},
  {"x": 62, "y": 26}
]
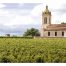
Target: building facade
[{"x": 51, "y": 30}]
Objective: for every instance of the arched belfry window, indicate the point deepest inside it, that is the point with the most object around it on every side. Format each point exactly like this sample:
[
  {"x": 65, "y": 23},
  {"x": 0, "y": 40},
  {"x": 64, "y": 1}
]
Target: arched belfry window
[{"x": 45, "y": 20}]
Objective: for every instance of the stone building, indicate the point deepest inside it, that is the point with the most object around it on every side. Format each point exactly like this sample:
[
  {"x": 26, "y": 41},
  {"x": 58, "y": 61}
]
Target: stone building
[{"x": 51, "y": 30}]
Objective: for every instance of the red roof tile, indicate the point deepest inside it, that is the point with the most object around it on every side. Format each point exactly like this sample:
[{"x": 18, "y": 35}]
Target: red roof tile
[{"x": 54, "y": 27}]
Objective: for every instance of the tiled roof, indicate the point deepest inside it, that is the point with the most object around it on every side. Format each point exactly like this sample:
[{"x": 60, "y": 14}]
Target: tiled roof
[{"x": 54, "y": 27}]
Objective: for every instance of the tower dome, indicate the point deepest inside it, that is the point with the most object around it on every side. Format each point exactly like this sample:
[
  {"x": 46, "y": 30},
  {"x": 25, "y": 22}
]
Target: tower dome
[{"x": 47, "y": 10}]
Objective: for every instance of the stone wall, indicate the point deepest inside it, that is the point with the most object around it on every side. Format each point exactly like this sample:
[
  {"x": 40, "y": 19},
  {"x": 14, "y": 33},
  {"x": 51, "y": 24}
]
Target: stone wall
[{"x": 52, "y": 34}]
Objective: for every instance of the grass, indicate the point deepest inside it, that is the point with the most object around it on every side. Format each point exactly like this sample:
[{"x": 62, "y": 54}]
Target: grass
[{"x": 21, "y": 50}]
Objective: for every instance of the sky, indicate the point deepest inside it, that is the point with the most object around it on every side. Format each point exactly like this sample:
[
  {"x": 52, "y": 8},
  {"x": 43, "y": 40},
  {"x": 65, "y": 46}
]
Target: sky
[{"x": 16, "y": 16}]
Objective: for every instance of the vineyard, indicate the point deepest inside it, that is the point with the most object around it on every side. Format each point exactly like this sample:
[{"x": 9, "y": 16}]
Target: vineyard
[{"x": 21, "y": 50}]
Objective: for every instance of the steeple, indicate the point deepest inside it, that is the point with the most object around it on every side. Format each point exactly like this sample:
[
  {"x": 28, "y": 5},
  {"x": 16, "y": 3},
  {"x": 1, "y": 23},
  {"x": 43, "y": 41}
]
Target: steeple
[
  {"x": 47, "y": 11},
  {"x": 46, "y": 16}
]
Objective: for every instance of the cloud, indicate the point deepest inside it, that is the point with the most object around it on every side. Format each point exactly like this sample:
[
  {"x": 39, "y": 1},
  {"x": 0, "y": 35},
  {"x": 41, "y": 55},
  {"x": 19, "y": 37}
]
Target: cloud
[
  {"x": 11, "y": 17},
  {"x": 20, "y": 1},
  {"x": 37, "y": 10},
  {"x": 2, "y": 5},
  {"x": 53, "y": 2},
  {"x": 16, "y": 29},
  {"x": 16, "y": 17},
  {"x": 17, "y": 20}
]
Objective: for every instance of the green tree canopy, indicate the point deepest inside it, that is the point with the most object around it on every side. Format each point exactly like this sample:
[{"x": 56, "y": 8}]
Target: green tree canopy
[{"x": 32, "y": 32}]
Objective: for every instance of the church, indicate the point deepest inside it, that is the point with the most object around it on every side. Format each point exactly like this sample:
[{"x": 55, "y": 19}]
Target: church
[{"x": 51, "y": 30}]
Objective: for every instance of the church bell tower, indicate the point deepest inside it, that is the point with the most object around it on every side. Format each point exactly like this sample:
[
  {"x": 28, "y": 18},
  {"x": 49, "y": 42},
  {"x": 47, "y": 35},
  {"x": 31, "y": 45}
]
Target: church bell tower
[{"x": 46, "y": 20}]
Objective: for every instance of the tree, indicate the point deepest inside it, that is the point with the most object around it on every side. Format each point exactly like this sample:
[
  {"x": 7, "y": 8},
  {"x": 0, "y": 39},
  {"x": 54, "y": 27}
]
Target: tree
[{"x": 32, "y": 32}]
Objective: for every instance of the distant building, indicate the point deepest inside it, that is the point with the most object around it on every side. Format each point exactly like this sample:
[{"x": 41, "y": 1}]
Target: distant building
[
  {"x": 51, "y": 30},
  {"x": 7, "y": 35}
]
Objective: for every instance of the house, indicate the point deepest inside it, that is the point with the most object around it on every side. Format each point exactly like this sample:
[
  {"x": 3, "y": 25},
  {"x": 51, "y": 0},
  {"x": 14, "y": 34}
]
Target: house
[
  {"x": 51, "y": 30},
  {"x": 7, "y": 35}
]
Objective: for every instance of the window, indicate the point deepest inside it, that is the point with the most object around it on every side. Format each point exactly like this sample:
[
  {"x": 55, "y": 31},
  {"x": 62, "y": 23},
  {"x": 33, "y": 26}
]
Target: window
[
  {"x": 62, "y": 33},
  {"x": 45, "y": 20},
  {"x": 55, "y": 33},
  {"x": 48, "y": 33}
]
